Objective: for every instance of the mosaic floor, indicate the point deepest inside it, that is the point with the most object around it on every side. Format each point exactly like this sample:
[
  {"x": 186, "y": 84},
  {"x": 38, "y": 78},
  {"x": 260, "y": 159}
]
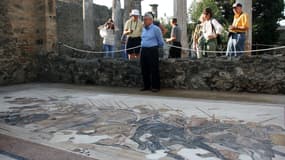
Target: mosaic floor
[{"x": 104, "y": 125}]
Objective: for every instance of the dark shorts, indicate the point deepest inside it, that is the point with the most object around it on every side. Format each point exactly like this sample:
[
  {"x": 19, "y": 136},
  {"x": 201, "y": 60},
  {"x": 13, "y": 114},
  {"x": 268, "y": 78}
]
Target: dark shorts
[
  {"x": 175, "y": 52},
  {"x": 133, "y": 42}
]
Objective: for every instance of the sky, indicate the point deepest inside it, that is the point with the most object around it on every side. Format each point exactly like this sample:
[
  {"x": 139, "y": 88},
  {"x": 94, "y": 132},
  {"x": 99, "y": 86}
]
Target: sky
[{"x": 164, "y": 6}]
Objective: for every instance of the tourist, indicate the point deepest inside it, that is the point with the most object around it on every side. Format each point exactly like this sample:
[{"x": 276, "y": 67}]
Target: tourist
[
  {"x": 237, "y": 32},
  {"x": 158, "y": 24},
  {"x": 211, "y": 30},
  {"x": 151, "y": 41},
  {"x": 133, "y": 29},
  {"x": 107, "y": 32},
  {"x": 163, "y": 30},
  {"x": 175, "y": 39},
  {"x": 198, "y": 38}
]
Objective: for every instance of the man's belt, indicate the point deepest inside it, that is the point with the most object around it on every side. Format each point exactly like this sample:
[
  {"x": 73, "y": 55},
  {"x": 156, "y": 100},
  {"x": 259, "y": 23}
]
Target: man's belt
[
  {"x": 237, "y": 32},
  {"x": 134, "y": 37},
  {"x": 153, "y": 47},
  {"x": 232, "y": 33}
]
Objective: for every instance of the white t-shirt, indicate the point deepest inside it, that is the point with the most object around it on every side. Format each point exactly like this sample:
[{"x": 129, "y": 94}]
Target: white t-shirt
[
  {"x": 108, "y": 36},
  {"x": 208, "y": 29}
]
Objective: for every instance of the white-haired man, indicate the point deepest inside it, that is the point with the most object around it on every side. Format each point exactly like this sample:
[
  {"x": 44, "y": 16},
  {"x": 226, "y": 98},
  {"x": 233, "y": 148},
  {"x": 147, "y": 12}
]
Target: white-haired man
[{"x": 151, "y": 41}]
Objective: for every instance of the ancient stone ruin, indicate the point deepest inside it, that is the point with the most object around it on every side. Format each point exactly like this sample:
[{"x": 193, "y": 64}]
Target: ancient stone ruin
[
  {"x": 32, "y": 38},
  {"x": 30, "y": 53}
]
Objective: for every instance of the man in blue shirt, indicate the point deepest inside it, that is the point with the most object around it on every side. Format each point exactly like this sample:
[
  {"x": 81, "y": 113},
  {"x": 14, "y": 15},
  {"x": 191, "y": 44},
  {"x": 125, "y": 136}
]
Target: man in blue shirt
[{"x": 151, "y": 40}]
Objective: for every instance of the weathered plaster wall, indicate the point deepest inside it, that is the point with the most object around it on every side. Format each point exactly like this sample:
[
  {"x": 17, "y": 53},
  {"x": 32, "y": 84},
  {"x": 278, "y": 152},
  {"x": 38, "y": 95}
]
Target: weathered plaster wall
[
  {"x": 33, "y": 25},
  {"x": 20, "y": 37},
  {"x": 261, "y": 74},
  {"x": 30, "y": 28},
  {"x": 28, "y": 24}
]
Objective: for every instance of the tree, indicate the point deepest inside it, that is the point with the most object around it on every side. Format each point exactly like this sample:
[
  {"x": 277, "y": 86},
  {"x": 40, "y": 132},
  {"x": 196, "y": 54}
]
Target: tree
[
  {"x": 197, "y": 10},
  {"x": 266, "y": 14},
  {"x": 227, "y": 12}
]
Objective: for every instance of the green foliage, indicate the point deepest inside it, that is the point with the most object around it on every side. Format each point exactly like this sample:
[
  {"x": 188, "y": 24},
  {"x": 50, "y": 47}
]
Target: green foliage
[
  {"x": 168, "y": 27},
  {"x": 199, "y": 7},
  {"x": 266, "y": 14}
]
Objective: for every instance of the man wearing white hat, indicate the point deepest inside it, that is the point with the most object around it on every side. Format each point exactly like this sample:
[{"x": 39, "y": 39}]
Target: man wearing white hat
[{"x": 133, "y": 30}]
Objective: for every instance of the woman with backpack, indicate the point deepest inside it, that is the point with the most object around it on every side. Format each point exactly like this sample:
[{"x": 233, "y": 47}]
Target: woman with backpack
[{"x": 211, "y": 30}]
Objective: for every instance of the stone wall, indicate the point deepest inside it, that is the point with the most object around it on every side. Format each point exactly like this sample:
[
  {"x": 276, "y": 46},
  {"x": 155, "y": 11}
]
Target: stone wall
[
  {"x": 28, "y": 24},
  {"x": 70, "y": 22},
  {"x": 260, "y": 74},
  {"x": 18, "y": 61},
  {"x": 50, "y": 36},
  {"x": 24, "y": 35}
]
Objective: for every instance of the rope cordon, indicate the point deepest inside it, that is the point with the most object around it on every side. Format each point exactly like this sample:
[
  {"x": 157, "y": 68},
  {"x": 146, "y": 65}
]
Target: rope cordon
[{"x": 182, "y": 48}]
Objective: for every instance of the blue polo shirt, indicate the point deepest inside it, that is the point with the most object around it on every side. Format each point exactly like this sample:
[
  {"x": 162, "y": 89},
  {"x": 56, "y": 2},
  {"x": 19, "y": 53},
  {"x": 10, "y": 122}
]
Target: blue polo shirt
[{"x": 152, "y": 36}]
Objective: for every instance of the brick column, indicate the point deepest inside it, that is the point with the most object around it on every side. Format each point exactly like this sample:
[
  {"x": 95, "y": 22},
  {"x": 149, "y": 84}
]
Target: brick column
[{"x": 50, "y": 39}]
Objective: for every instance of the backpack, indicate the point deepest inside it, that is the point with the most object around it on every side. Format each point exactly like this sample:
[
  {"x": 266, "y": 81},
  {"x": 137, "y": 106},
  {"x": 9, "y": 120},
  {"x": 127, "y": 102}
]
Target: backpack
[{"x": 219, "y": 38}]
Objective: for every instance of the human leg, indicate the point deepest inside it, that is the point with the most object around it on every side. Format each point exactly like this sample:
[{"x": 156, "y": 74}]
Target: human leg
[
  {"x": 211, "y": 45},
  {"x": 231, "y": 47},
  {"x": 145, "y": 69},
  {"x": 240, "y": 46},
  {"x": 154, "y": 66}
]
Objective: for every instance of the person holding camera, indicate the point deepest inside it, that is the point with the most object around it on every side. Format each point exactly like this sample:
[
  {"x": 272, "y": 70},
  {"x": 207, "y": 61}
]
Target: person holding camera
[
  {"x": 133, "y": 30},
  {"x": 107, "y": 32}
]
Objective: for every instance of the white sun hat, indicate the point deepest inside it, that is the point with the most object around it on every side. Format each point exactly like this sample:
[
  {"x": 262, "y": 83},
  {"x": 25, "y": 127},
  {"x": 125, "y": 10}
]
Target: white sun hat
[
  {"x": 135, "y": 12},
  {"x": 237, "y": 4}
]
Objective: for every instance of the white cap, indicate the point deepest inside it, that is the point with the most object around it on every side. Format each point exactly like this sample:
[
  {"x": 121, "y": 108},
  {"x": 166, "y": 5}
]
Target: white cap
[
  {"x": 135, "y": 12},
  {"x": 237, "y": 4}
]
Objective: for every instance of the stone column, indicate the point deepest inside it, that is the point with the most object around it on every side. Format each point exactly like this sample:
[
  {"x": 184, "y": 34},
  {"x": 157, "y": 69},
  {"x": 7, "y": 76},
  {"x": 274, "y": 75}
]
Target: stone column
[
  {"x": 247, "y": 7},
  {"x": 88, "y": 24},
  {"x": 117, "y": 17},
  {"x": 129, "y": 5},
  {"x": 154, "y": 10},
  {"x": 127, "y": 10},
  {"x": 137, "y": 5},
  {"x": 180, "y": 12},
  {"x": 50, "y": 26}
]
